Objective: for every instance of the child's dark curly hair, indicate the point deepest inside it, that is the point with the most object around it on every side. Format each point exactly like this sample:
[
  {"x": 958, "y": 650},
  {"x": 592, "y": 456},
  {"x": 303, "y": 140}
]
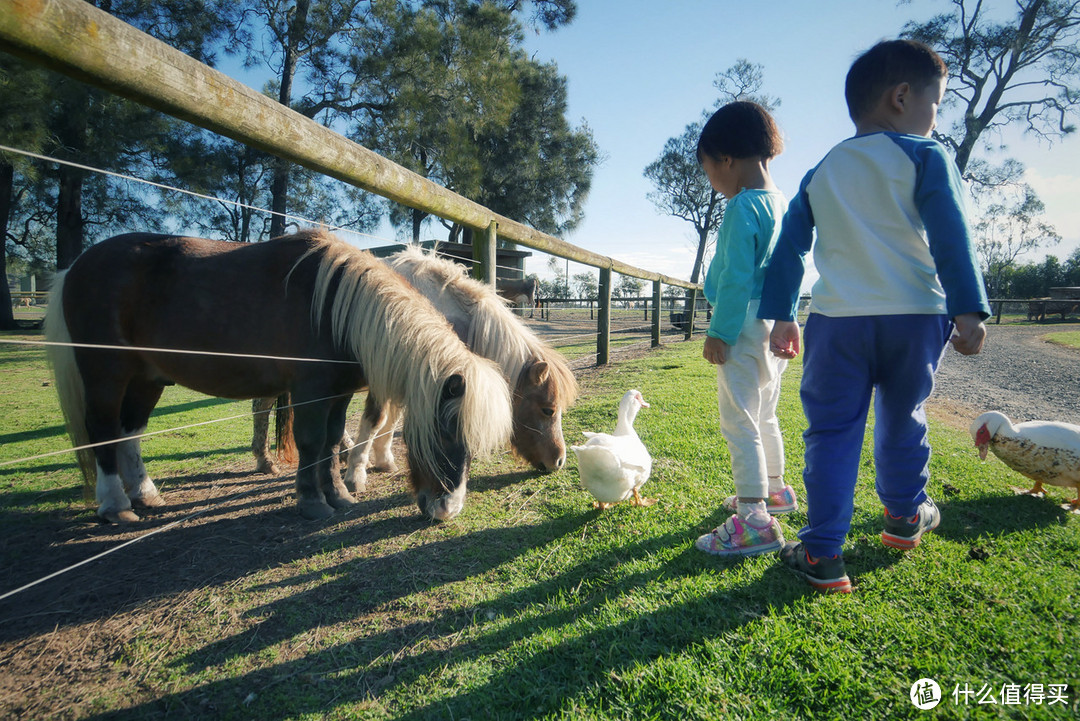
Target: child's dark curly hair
[{"x": 741, "y": 129}]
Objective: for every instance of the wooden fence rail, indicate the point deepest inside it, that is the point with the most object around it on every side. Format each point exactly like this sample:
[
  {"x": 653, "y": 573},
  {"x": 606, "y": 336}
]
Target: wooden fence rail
[{"x": 75, "y": 38}]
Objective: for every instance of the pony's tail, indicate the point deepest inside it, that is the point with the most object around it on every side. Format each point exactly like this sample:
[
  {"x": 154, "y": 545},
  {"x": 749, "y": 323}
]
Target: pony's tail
[
  {"x": 69, "y": 383},
  {"x": 485, "y": 415},
  {"x": 283, "y": 429}
]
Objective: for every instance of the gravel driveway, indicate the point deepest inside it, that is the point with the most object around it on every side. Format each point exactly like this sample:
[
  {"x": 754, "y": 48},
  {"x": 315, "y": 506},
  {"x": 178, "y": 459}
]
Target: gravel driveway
[{"x": 1017, "y": 373}]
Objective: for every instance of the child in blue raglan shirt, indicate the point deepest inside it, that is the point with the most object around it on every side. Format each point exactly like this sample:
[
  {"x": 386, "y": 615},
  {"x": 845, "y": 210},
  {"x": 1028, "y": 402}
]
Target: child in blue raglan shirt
[
  {"x": 898, "y": 277},
  {"x": 734, "y": 150}
]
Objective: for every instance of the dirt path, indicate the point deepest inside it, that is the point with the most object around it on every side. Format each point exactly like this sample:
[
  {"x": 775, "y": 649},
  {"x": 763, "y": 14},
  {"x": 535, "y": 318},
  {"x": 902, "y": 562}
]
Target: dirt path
[{"x": 1018, "y": 373}]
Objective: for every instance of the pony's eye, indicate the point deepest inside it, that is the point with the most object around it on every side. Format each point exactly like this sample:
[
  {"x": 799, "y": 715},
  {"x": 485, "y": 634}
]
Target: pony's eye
[{"x": 548, "y": 411}]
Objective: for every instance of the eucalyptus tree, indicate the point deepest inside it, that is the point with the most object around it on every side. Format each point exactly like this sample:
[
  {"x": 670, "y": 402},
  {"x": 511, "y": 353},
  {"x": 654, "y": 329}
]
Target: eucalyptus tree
[
  {"x": 1008, "y": 230},
  {"x": 88, "y": 126},
  {"x": 455, "y": 98},
  {"x": 1017, "y": 68},
  {"x": 537, "y": 168},
  {"x": 680, "y": 188},
  {"x": 21, "y": 126},
  {"x": 1021, "y": 70},
  {"x": 306, "y": 45}
]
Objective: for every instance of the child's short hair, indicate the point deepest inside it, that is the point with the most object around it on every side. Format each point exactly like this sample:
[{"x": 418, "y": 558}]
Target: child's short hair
[
  {"x": 886, "y": 65},
  {"x": 741, "y": 129}
]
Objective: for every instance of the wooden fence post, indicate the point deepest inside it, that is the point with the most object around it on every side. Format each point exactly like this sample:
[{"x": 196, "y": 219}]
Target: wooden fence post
[
  {"x": 656, "y": 313},
  {"x": 483, "y": 251},
  {"x": 603, "y": 322},
  {"x": 691, "y": 309}
]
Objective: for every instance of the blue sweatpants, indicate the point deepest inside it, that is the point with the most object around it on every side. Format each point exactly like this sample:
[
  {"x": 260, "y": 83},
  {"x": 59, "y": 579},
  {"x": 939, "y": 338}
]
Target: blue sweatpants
[{"x": 847, "y": 361}]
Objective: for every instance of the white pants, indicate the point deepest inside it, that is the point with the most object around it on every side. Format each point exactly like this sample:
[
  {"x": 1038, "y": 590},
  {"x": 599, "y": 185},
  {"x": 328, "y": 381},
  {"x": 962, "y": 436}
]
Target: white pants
[{"x": 748, "y": 388}]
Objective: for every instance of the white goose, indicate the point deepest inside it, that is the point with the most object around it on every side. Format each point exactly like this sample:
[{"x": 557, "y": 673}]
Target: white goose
[
  {"x": 614, "y": 466},
  {"x": 1043, "y": 451}
]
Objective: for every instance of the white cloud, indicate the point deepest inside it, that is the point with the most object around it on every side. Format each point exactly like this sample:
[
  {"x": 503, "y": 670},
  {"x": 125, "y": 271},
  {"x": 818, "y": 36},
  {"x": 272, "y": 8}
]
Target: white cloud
[{"x": 1060, "y": 194}]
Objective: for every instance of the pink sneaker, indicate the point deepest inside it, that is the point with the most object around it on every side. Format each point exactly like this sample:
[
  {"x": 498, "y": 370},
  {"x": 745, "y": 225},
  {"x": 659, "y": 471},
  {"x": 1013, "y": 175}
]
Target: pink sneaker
[
  {"x": 777, "y": 504},
  {"x": 738, "y": 537}
]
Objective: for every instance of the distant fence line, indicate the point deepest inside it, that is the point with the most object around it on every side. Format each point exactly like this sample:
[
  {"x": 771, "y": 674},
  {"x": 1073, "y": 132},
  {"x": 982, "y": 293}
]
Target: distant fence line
[{"x": 79, "y": 40}]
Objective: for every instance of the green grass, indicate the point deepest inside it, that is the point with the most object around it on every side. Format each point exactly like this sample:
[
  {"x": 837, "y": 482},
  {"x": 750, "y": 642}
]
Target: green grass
[
  {"x": 1065, "y": 338},
  {"x": 533, "y": 605}
]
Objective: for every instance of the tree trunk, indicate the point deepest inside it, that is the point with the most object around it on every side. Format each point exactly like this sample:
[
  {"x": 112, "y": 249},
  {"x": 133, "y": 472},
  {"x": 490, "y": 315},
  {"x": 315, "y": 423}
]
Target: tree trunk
[
  {"x": 69, "y": 219},
  {"x": 417, "y": 219},
  {"x": 703, "y": 239},
  {"x": 7, "y": 183},
  {"x": 279, "y": 185}
]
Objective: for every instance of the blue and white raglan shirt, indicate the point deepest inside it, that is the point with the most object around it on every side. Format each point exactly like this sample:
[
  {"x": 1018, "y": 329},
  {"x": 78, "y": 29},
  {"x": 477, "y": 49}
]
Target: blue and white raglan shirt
[
  {"x": 744, "y": 243},
  {"x": 892, "y": 235}
]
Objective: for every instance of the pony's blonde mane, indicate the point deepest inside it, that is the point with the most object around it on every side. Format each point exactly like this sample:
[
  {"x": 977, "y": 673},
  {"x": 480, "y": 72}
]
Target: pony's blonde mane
[
  {"x": 406, "y": 347},
  {"x": 489, "y": 327}
]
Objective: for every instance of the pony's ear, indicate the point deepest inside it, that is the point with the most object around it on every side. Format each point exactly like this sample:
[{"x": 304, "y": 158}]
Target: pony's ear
[
  {"x": 454, "y": 387},
  {"x": 538, "y": 373}
]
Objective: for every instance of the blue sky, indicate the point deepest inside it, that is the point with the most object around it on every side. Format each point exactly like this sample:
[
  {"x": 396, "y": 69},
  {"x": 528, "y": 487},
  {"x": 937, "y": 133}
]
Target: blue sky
[{"x": 639, "y": 71}]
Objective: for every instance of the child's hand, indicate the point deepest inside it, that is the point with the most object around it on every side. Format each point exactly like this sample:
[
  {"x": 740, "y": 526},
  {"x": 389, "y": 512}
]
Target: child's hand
[
  {"x": 970, "y": 334},
  {"x": 784, "y": 339},
  {"x": 716, "y": 350}
]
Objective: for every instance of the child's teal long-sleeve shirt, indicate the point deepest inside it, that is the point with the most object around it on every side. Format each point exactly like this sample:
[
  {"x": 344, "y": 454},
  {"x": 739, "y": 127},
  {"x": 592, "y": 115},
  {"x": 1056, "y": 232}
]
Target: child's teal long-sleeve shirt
[{"x": 744, "y": 244}]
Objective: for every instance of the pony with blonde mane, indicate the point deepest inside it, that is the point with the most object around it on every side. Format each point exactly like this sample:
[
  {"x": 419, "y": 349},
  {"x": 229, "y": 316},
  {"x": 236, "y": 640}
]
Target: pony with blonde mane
[
  {"x": 305, "y": 314},
  {"x": 542, "y": 382}
]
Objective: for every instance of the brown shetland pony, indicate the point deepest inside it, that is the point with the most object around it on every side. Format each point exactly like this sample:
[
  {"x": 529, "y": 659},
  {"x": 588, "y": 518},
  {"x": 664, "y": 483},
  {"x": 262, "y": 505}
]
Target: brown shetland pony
[
  {"x": 305, "y": 314},
  {"x": 542, "y": 382}
]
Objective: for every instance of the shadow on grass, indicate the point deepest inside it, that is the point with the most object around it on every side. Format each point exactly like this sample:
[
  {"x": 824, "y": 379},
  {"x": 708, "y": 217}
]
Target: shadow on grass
[
  {"x": 58, "y": 431},
  {"x": 520, "y": 638},
  {"x": 580, "y": 663},
  {"x": 996, "y": 516},
  {"x": 414, "y": 643}
]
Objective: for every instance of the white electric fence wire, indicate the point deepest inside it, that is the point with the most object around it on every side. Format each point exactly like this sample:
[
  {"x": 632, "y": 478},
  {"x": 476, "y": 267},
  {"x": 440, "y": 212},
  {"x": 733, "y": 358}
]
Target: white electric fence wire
[
  {"x": 202, "y": 196},
  {"x": 182, "y": 351},
  {"x": 157, "y": 433}
]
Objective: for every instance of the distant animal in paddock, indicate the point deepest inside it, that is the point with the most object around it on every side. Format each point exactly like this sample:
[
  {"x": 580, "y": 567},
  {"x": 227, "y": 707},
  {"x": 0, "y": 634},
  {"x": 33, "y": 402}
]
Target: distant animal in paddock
[
  {"x": 308, "y": 314},
  {"x": 26, "y": 302},
  {"x": 521, "y": 293},
  {"x": 1039, "y": 308},
  {"x": 542, "y": 384}
]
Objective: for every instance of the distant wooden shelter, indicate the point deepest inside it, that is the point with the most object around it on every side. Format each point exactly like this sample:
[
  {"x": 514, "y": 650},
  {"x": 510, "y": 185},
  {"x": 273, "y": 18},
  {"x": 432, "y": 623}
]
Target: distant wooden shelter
[{"x": 509, "y": 263}]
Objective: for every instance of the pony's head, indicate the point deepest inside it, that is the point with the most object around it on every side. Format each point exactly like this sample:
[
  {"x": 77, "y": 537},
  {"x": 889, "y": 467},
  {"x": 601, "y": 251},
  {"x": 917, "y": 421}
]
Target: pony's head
[
  {"x": 440, "y": 486},
  {"x": 545, "y": 388},
  {"x": 457, "y": 404},
  {"x": 468, "y": 419},
  {"x": 543, "y": 384}
]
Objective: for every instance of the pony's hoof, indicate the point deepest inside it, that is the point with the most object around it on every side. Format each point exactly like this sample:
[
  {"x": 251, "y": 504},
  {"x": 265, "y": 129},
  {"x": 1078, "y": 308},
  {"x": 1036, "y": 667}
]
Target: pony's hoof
[
  {"x": 154, "y": 501},
  {"x": 356, "y": 483},
  {"x": 342, "y": 500},
  {"x": 315, "y": 510},
  {"x": 390, "y": 467},
  {"x": 125, "y": 516},
  {"x": 267, "y": 466}
]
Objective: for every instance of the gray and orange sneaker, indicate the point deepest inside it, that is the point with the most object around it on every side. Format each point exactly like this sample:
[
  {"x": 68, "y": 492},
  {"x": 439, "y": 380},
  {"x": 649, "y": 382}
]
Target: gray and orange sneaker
[
  {"x": 905, "y": 532},
  {"x": 827, "y": 575}
]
